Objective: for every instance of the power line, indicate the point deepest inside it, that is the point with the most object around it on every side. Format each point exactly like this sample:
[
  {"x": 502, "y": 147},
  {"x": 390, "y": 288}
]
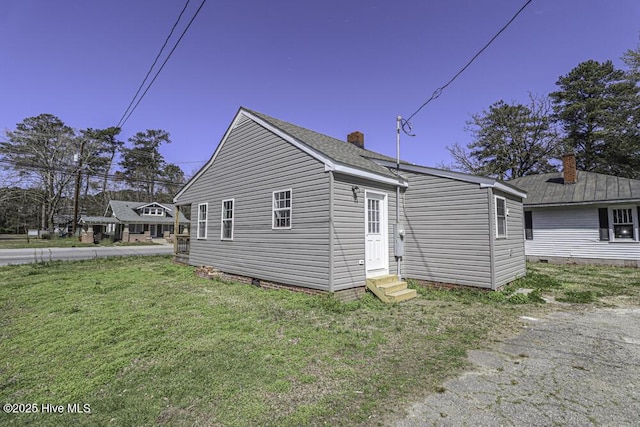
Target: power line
[
  {"x": 154, "y": 63},
  {"x": 438, "y": 91},
  {"x": 88, "y": 172},
  {"x": 165, "y": 62}
]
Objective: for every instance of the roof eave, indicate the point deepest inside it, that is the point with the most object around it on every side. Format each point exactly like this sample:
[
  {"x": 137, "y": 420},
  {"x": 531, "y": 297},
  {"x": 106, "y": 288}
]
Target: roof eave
[
  {"x": 484, "y": 182},
  {"x": 505, "y": 189},
  {"x": 583, "y": 203},
  {"x": 330, "y": 164},
  {"x": 350, "y": 170}
]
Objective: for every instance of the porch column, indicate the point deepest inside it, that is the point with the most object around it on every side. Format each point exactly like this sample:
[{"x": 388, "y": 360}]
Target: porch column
[{"x": 176, "y": 229}]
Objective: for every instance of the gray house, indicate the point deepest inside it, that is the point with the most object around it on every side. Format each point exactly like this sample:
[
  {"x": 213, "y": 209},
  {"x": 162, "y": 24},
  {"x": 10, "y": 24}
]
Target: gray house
[
  {"x": 581, "y": 217},
  {"x": 134, "y": 221},
  {"x": 288, "y": 206}
]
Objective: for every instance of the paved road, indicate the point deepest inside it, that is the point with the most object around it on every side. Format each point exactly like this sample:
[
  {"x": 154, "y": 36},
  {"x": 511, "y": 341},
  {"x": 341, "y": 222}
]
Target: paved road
[
  {"x": 568, "y": 369},
  {"x": 26, "y": 256}
]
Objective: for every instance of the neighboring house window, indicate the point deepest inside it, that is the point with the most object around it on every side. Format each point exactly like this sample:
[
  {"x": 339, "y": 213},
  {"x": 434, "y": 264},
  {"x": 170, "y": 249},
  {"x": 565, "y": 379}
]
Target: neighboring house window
[
  {"x": 202, "y": 220},
  {"x": 282, "y": 209},
  {"x": 153, "y": 211},
  {"x": 603, "y": 220},
  {"x": 623, "y": 222},
  {"x": 501, "y": 216},
  {"x": 528, "y": 225},
  {"x": 226, "y": 227}
]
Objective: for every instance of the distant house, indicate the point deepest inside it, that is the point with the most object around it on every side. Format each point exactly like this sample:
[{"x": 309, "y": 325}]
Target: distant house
[
  {"x": 134, "y": 221},
  {"x": 581, "y": 217},
  {"x": 63, "y": 224},
  {"x": 287, "y": 206}
]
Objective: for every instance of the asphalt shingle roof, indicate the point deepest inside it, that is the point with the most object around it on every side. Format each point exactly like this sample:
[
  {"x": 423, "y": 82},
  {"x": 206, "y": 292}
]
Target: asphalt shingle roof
[
  {"x": 590, "y": 187},
  {"x": 336, "y": 149},
  {"x": 126, "y": 212}
]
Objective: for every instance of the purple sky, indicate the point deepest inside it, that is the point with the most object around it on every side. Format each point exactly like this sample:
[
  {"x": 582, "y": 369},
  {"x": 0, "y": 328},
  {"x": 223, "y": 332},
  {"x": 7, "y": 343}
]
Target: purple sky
[{"x": 331, "y": 66}]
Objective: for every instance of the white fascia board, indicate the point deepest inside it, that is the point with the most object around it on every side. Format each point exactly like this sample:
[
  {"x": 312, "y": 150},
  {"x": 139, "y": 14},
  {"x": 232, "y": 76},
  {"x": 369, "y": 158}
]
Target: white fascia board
[
  {"x": 586, "y": 203},
  {"x": 505, "y": 189},
  {"x": 313, "y": 153},
  {"x": 349, "y": 170},
  {"x": 482, "y": 181},
  {"x": 152, "y": 204},
  {"x": 329, "y": 163},
  {"x": 213, "y": 157}
]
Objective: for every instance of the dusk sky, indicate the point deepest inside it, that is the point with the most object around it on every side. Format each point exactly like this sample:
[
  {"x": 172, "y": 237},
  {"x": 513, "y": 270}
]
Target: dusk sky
[{"x": 330, "y": 66}]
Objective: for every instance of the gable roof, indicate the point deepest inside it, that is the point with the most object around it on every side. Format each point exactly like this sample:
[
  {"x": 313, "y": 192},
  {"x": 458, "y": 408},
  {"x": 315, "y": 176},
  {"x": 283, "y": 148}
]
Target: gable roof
[
  {"x": 337, "y": 155},
  {"x": 337, "y": 150},
  {"x": 549, "y": 189},
  {"x": 341, "y": 156},
  {"x": 126, "y": 212}
]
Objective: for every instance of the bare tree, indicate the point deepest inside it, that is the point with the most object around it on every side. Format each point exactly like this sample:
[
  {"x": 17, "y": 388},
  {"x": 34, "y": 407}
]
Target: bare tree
[{"x": 510, "y": 141}]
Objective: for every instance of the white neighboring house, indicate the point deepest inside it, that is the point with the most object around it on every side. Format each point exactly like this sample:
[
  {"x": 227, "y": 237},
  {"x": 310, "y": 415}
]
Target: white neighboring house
[{"x": 581, "y": 217}]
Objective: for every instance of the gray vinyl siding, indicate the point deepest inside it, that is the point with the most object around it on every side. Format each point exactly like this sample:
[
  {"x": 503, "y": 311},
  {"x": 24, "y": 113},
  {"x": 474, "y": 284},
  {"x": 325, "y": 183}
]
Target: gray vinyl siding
[
  {"x": 572, "y": 232},
  {"x": 447, "y": 231},
  {"x": 508, "y": 255},
  {"x": 251, "y": 165},
  {"x": 349, "y": 229}
]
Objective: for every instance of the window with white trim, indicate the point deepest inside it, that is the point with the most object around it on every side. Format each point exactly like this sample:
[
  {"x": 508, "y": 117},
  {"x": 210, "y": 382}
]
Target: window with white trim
[
  {"x": 501, "y": 217},
  {"x": 226, "y": 226},
  {"x": 153, "y": 211},
  {"x": 202, "y": 220},
  {"x": 623, "y": 222},
  {"x": 282, "y": 209}
]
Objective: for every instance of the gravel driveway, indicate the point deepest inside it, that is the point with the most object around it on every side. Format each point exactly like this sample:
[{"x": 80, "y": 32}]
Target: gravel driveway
[{"x": 567, "y": 369}]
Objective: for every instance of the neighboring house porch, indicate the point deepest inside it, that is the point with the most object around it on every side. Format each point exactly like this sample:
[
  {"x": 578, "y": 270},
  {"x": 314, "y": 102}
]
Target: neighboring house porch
[{"x": 135, "y": 222}]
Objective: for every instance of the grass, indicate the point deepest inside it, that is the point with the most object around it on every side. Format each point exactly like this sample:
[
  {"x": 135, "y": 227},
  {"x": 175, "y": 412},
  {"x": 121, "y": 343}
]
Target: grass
[
  {"x": 146, "y": 342},
  {"x": 12, "y": 241},
  {"x": 584, "y": 284}
]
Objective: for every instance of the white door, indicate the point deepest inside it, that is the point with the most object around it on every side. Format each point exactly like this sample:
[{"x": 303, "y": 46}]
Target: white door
[{"x": 376, "y": 250}]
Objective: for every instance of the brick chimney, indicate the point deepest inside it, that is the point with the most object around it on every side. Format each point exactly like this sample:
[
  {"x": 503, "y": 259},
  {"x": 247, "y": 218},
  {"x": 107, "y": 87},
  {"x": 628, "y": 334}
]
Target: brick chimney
[
  {"x": 569, "y": 172},
  {"x": 356, "y": 138}
]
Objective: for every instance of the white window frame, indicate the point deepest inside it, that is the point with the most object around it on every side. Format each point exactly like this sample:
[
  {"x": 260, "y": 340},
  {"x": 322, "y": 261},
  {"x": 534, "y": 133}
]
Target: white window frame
[
  {"x": 223, "y": 219},
  {"x": 202, "y": 223},
  {"x": 506, "y": 214},
  {"x": 274, "y": 209},
  {"x": 152, "y": 211},
  {"x": 634, "y": 222}
]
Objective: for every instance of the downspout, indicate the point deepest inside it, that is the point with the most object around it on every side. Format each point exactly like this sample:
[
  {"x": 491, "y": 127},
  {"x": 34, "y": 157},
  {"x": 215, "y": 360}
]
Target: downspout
[
  {"x": 492, "y": 233},
  {"x": 331, "y": 231}
]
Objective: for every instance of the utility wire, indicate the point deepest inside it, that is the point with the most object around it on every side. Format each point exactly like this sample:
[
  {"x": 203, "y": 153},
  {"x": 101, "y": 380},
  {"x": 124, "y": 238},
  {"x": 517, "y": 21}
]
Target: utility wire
[
  {"x": 113, "y": 177},
  {"x": 154, "y": 63},
  {"x": 165, "y": 62},
  {"x": 438, "y": 91}
]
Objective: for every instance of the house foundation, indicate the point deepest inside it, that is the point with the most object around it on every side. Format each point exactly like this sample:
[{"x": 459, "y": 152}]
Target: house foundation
[{"x": 344, "y": 295}]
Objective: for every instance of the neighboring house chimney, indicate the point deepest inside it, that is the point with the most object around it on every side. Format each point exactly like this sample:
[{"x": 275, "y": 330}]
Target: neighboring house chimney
[
  {"x": 356, "y": 138},
  {"x": 569, "y": 172}
]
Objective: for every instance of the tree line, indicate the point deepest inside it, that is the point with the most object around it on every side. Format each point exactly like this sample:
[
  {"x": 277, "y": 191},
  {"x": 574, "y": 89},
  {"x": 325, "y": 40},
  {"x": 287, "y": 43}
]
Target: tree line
[
  {"x": 44, "y": 163},
  {"x": 594, "y": 114}
]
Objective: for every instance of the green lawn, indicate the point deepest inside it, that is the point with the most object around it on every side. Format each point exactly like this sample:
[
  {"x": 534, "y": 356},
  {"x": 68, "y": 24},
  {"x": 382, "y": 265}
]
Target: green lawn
[{"x": 144, "y": 341}]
